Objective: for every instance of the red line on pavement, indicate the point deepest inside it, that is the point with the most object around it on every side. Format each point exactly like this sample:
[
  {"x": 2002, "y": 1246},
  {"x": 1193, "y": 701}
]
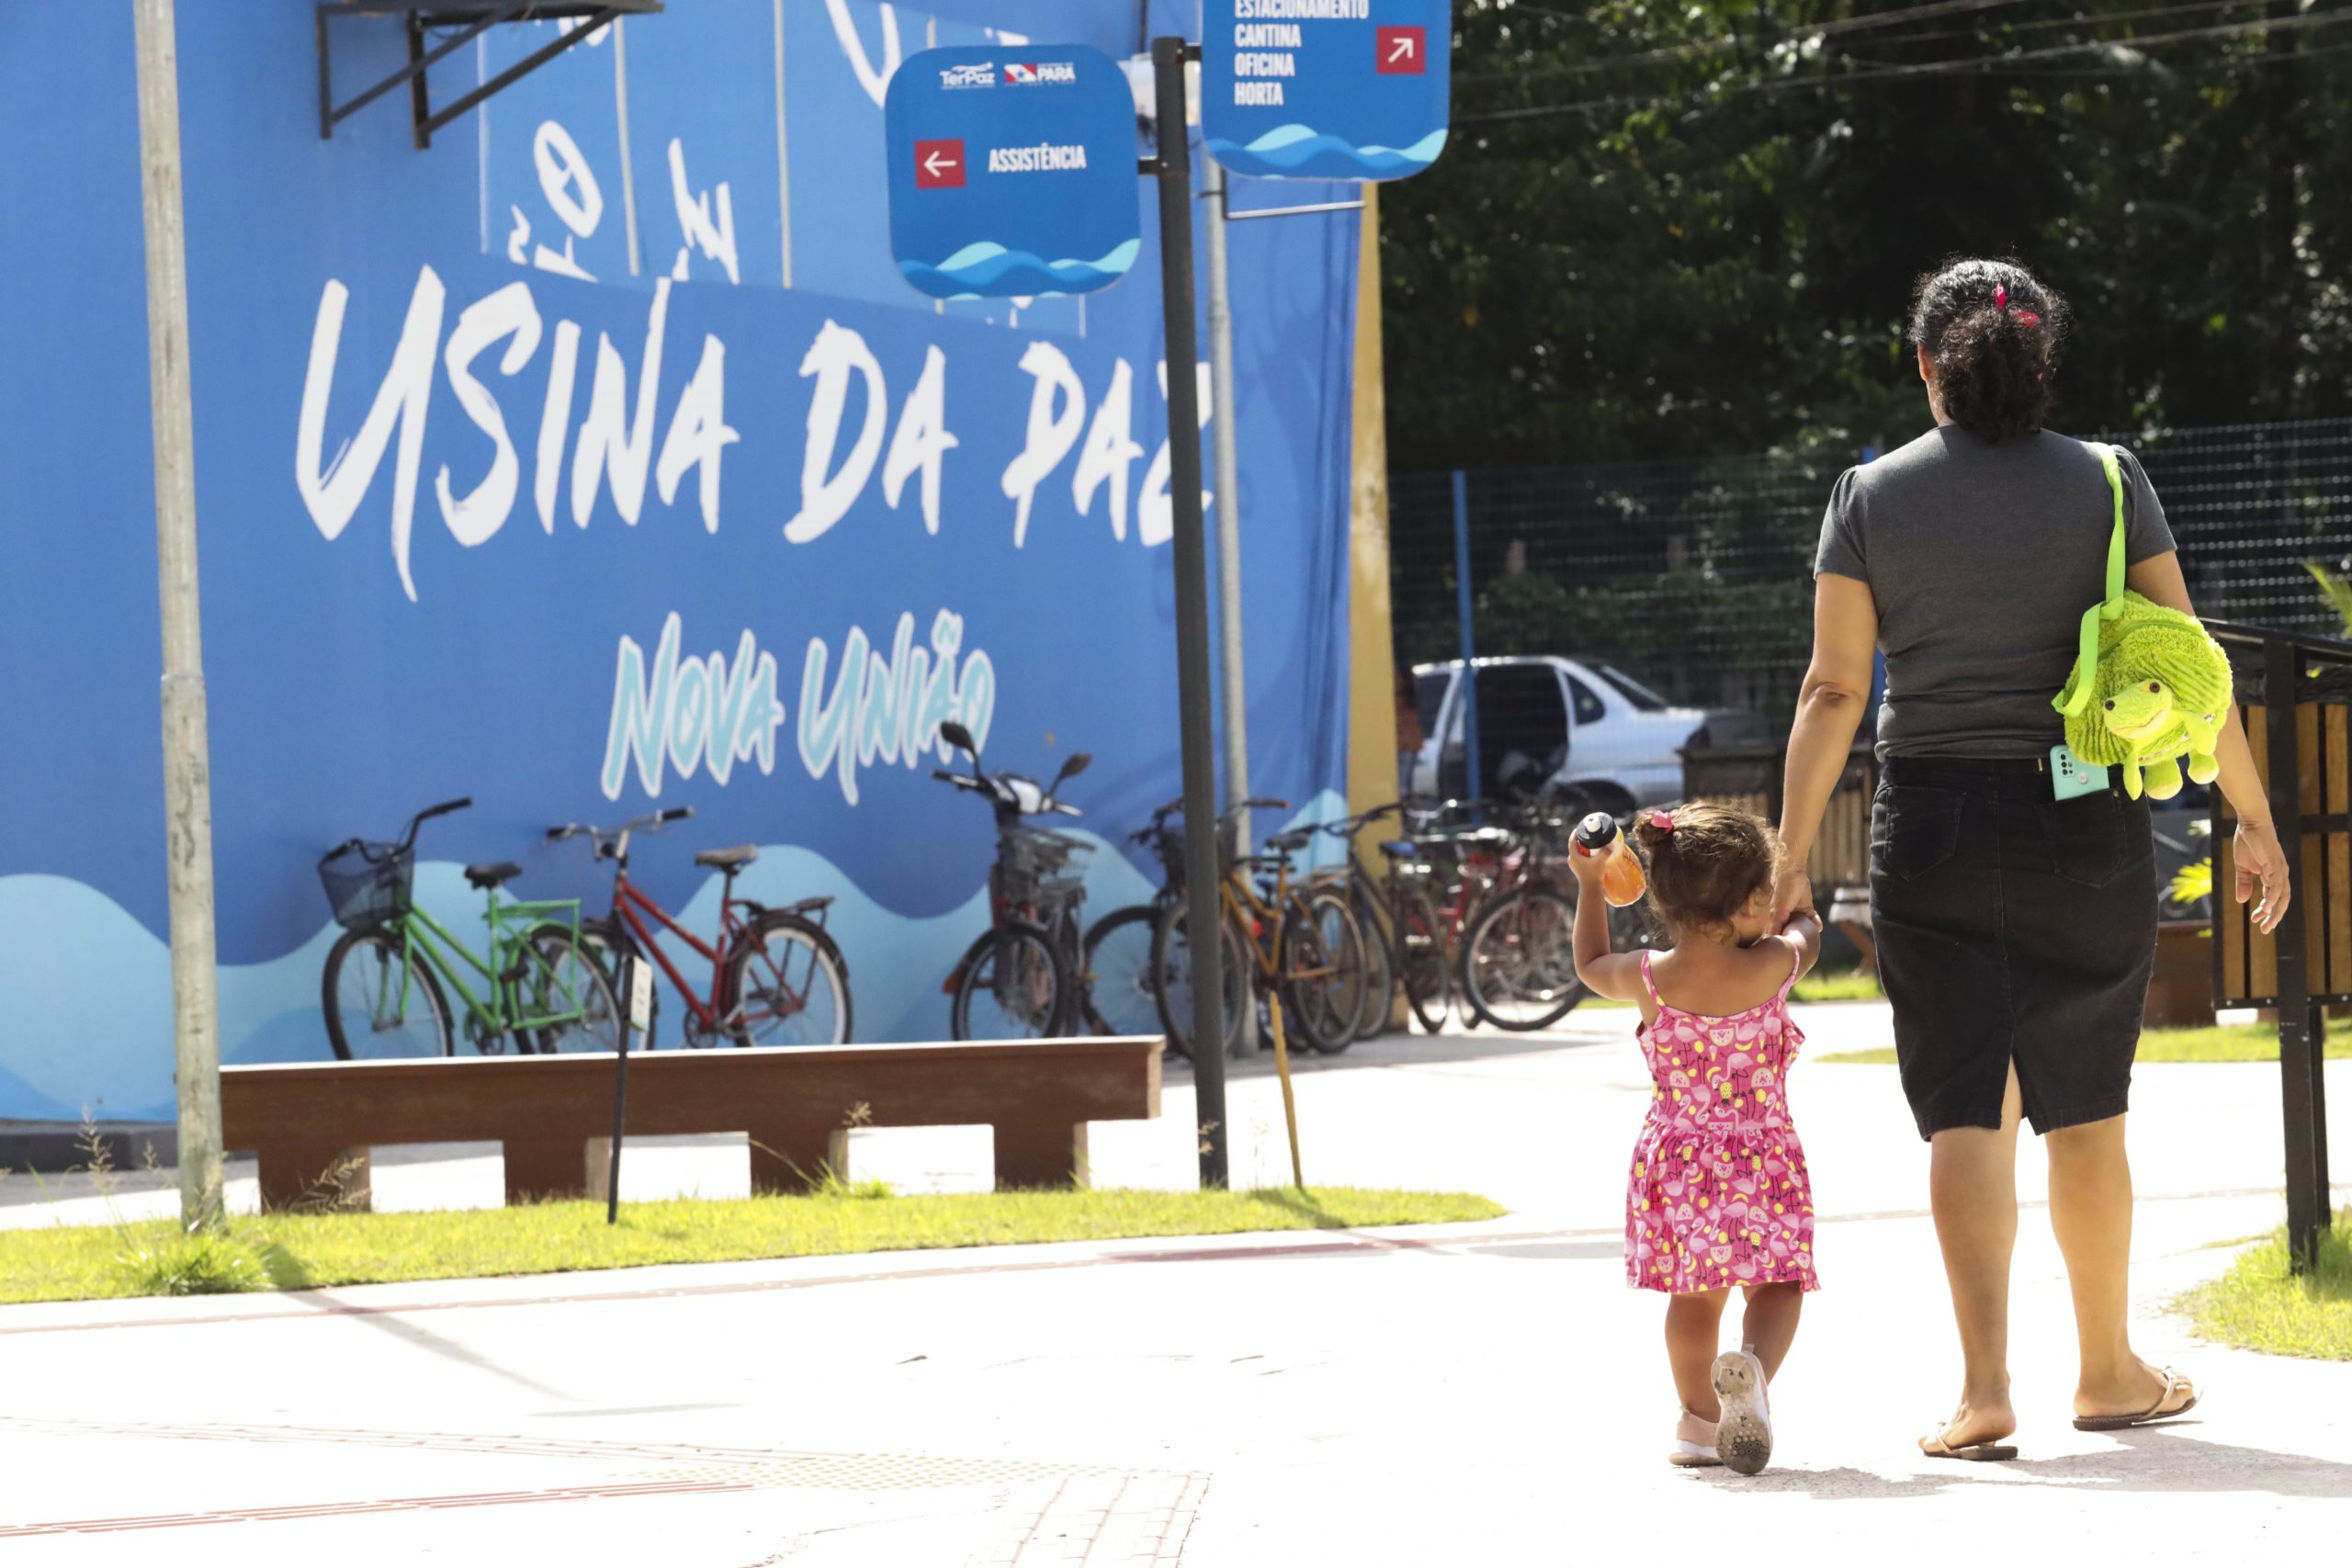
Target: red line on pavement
[{"x": 372, "y": 1505}]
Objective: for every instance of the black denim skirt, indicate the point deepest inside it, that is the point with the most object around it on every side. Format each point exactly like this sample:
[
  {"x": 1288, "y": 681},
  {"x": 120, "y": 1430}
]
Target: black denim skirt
[{"x": 2011, "y": 927}]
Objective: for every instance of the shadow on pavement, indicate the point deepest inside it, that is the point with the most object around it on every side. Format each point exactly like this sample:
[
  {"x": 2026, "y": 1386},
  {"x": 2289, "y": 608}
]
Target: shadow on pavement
[
  {"x": 2167, "y": 1459},
  {"x": 425, "y": 1339},
  {"x": 1402, "y": 1049}
]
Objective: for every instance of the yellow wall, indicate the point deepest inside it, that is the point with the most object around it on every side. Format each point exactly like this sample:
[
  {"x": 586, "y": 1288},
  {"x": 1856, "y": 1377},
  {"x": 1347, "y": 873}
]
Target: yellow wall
[{"x": 1372, "y": 669}]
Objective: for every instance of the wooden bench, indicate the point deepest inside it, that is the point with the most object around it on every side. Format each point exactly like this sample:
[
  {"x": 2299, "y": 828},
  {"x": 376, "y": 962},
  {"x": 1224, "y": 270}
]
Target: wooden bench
[{"x": 312, "y": 1126}]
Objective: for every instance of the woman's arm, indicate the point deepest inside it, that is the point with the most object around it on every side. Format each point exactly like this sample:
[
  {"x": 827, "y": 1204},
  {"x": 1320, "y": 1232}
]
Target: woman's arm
[
  {"x": 2256, "y": 851},
  {"x": 1829, "y": 710}
]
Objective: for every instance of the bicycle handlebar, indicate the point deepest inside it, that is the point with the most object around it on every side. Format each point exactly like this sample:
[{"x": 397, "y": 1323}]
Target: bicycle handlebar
[
  {"x": 429, "y": 813},
  {"x": 610, "y": 839},
  {"x": 1349, "y": 826}
]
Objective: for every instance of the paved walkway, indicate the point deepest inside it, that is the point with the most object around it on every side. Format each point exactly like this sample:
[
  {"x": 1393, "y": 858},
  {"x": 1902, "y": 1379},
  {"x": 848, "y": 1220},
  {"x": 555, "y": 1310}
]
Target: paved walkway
[{"x": 1477, "y": 1394}]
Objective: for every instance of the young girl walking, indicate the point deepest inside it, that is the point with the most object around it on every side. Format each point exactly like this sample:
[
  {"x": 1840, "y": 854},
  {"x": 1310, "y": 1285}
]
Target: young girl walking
[{"x": 1718, "y": 1198}]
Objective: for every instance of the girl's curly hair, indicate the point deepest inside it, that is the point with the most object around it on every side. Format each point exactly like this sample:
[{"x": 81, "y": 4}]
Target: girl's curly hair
[
  {"x": 1706, "y": 863},
  {"x": 1993, "y": 330}
]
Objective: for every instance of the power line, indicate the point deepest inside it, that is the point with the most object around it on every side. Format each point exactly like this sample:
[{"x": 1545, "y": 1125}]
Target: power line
[
  {"x": 1717, "y": 46},
  {"x": 2079, "y": 20},
  {"x": 1990, "y": 64}
]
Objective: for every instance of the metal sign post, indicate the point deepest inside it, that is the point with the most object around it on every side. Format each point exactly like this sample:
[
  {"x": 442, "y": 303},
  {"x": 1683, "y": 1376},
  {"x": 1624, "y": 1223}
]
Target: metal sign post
[
  {"x": 998, "y": 162},
  {"x": 1204, "y": 876},
  {"x": 1225, "y": 441},
  {"x": 637, "y": 1021},
  {"x": 188, "y": 786}
]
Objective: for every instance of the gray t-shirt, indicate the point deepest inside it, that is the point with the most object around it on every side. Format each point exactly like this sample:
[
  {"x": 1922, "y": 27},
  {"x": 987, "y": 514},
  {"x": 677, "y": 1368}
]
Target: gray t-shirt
[{"x": 1981, "y": 557}]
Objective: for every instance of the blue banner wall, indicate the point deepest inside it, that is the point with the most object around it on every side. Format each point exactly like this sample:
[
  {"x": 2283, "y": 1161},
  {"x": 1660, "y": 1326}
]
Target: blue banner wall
[{"x": 595, "y": 459}]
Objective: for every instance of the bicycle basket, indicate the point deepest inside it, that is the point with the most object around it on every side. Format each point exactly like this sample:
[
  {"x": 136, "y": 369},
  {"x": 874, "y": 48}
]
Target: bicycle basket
[{"x": 367, "y": 884}]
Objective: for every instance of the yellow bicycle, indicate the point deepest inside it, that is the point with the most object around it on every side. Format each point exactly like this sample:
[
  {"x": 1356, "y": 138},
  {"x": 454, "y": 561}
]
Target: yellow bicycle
[{"x": 1282, "y": 940}]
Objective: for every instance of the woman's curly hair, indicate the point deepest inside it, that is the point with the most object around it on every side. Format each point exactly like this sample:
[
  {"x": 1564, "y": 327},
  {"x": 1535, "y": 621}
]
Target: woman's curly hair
[{"x": 1993, "y": 330}]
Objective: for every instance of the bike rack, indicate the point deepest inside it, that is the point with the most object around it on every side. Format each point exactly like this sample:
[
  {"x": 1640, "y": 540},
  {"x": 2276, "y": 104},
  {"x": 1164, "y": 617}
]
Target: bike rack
[{"x": 470, "y": 19}]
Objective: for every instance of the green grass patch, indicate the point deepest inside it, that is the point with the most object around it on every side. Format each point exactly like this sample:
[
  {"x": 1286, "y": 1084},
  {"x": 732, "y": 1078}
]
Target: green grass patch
[
  {"x": 2257, "y": 1305},
  {"x": 296, "y": 1251},
  {"x": 2228, "y": 1043},
  {"x": 2217, "y": 1042},
  {"x": 1840, "y": 986}
]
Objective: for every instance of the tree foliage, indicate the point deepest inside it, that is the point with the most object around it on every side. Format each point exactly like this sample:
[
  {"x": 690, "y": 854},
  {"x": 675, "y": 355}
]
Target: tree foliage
[{"x": 1704, "y": 242}]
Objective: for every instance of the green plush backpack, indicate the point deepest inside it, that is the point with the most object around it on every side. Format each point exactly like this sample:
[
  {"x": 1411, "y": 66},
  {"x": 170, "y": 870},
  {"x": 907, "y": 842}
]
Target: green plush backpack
[{"x": 2148, "y": 683}]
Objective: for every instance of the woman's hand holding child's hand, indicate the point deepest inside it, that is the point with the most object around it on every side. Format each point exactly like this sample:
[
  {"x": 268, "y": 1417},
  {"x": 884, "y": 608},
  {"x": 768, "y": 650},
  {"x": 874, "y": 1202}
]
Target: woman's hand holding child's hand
[{"x": 1792, "y": 896}]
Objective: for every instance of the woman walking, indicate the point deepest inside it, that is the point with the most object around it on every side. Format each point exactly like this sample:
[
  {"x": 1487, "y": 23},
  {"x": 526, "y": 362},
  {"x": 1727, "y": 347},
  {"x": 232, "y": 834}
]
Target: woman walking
[{"x": 2016, "y": 931}]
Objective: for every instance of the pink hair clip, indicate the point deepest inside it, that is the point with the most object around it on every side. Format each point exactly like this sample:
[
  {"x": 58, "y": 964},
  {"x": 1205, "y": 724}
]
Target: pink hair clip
[
  {"x": 1662, "y": 820},
  {"x": 2027, "y": 319},
  {"x": 2000, "y": 297}
]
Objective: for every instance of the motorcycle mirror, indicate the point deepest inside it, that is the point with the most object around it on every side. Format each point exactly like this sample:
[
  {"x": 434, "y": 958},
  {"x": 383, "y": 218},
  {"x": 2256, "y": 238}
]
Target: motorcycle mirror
[
  {"x": 1076, "y": 765},
  {"x": 955, "y": 735}
]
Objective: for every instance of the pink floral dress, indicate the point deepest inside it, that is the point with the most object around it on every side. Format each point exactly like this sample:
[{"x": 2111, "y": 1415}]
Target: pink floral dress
[{"x": 1719, "y": 1194}]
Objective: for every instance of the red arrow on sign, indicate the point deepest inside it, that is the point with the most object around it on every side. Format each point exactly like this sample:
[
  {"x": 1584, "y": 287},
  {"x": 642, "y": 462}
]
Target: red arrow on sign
[
  {"x": 1402, "y": 51},
  {"x": 939, "y": 165}
]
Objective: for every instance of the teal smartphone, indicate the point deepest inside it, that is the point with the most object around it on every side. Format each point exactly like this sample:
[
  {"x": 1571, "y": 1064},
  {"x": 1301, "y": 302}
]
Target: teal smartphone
[{"x": 2071, "y": 776}]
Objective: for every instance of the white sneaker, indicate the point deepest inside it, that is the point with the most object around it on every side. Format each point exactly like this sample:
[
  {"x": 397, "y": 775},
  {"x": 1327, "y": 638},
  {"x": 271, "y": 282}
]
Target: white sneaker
[
  {"x": 1744, "y": 1435},
  {"x": 1694, "y": 1443}
]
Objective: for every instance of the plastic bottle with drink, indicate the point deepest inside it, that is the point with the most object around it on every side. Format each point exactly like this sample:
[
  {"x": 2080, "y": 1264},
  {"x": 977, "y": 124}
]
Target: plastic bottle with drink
[{"x": 1621, "y": 881}]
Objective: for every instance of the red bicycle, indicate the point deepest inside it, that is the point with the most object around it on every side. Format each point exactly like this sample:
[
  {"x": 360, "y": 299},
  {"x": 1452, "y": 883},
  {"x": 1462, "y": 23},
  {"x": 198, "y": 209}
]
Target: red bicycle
[{"x": 777, "y": 975}]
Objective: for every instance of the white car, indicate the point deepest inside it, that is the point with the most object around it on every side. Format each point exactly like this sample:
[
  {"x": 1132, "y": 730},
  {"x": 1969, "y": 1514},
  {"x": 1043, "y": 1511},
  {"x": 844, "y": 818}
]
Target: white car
[{"x": 1586, "y": 734}]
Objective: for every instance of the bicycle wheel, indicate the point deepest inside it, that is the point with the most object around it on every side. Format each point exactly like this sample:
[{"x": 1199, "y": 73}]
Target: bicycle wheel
[
  {"x": 1519, "y": 966},
  {"x": 1118, "y": 961},
  {"x": 787, "y": 985},
  {"x": 1379, "y": 973},
  {"x": 1021, "y": 1001},
  {"x": 1322, "y": 971},
  {"x": 1171, "y": 970},
  {"x": 564, "y": 980},
  {"x": 378, "y": 1004},
  {"x": 1420, "y": 957}
]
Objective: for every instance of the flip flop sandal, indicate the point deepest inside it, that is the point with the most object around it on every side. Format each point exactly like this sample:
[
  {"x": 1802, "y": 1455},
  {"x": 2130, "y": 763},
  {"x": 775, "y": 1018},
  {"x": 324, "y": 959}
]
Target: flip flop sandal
[
  {"x": 2156, "y": 1412},
  {"x": 1936, "y": 1447},
  {"x": 1744, "y": 1435}
]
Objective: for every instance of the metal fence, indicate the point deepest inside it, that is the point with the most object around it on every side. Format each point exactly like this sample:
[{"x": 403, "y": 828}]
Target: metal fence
[{"x": 1694, "y": 578}]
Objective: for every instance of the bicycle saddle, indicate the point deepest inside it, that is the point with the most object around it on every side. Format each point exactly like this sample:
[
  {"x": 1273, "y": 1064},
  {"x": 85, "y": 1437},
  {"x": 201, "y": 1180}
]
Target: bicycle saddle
[
  {"x": 490, "y": 876},
  {"x": 1294, "y": 839},
  {"x": 735, "y": 859},
  {"x": 1399, "y": 849}
]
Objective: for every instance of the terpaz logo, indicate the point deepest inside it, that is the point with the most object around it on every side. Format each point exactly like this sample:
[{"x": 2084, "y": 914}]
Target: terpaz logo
[
  {"x": 1060, "y": 73},
  {"x": 978, "y": 76}
]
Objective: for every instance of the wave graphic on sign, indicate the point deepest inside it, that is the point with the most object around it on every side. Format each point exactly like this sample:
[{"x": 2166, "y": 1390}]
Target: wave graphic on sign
[
  {"x": 987, "y": 268},
  {"x": 1301, "y": 151},
  {"x": 72, "y": 1046}
]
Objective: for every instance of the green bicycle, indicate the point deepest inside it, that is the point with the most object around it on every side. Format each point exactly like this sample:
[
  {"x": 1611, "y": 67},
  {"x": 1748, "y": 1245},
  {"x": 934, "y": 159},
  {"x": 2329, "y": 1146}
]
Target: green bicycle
[{"x": 387, "y": 979}]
